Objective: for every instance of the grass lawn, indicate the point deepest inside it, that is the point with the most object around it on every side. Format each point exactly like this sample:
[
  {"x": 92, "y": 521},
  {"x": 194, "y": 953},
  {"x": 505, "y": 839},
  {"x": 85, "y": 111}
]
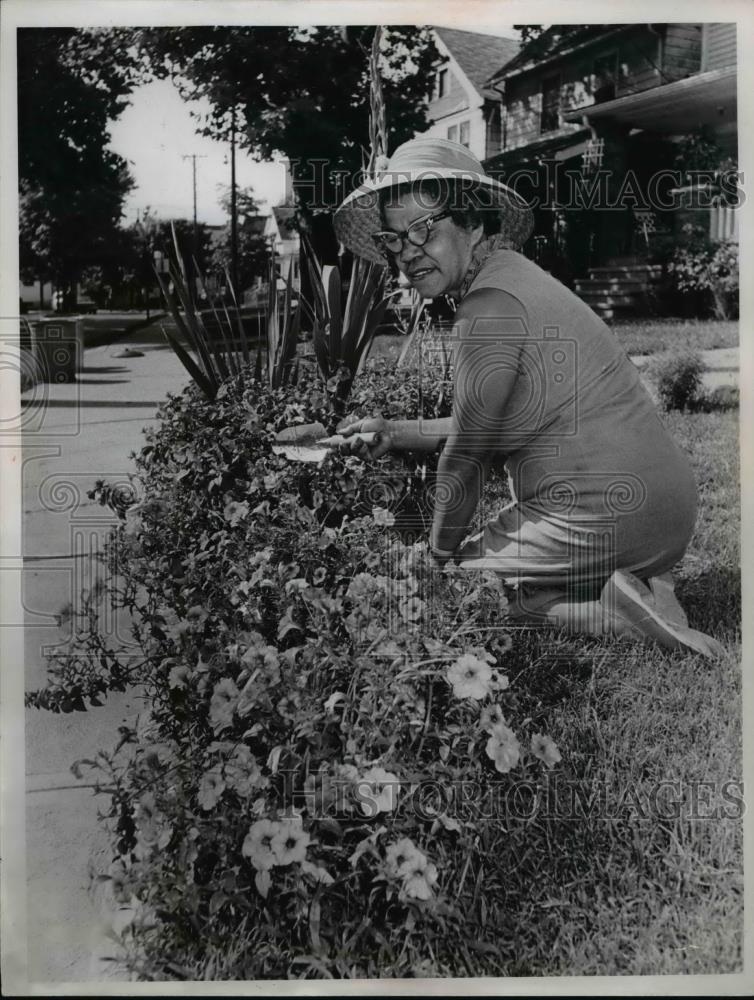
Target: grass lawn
[
  {"x": 652, "y": 336},
  {"x": 637, "y": 336},
  {"x": 650, "y": 879}
]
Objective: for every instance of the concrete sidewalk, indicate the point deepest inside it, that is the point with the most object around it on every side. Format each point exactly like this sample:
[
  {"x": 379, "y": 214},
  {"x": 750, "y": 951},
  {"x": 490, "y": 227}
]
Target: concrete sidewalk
[{"x": 74, "y": 434}]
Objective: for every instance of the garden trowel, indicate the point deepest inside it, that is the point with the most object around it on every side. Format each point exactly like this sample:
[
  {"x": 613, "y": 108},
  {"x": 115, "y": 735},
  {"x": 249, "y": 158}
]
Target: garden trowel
[{"x": 309, "y": 443}]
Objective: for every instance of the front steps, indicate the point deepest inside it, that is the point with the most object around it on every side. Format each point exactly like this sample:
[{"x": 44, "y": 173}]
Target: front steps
[{"x": 620, "y": 288}]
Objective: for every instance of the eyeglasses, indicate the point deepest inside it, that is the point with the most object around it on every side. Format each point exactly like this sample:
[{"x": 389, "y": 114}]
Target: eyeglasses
[{"x": 417, "y": 234}]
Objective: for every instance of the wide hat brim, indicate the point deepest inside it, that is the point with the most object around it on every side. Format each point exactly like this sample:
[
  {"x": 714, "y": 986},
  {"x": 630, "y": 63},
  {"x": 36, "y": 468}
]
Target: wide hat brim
[{"x": 358, "y": 218}]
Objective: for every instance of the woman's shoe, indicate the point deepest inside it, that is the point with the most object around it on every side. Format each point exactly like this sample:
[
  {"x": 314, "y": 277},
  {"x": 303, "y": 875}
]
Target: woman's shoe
[
  {"x": 665, "y": 601},
  {"x": 632, "y": 610}
]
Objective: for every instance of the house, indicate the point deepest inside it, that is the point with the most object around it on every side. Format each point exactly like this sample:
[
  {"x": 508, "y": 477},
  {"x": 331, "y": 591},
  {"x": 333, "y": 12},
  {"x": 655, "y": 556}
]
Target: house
[
  {"x": 278, "y": 230},
  {"x": 594, "y": 117},
  {"x": 286, "y": 242},
  {"x": 463, "y": 107}
]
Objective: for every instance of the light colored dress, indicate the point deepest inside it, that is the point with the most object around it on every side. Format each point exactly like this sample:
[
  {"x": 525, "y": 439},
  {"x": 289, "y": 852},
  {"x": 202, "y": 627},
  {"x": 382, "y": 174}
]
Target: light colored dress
[{"x": 599, "y": 484}]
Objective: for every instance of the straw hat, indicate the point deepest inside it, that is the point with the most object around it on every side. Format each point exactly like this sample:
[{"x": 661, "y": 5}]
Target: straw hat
[{"x": 427, "y": 158}]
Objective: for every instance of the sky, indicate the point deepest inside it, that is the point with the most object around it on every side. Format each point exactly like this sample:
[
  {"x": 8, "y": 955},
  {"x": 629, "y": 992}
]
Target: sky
[{"x": 154, "y": 134}]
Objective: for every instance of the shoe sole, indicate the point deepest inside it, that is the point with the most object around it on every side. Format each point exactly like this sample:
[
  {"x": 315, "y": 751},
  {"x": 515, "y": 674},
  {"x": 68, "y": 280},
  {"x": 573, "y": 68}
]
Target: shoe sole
[{"x": 630, "y": 606}]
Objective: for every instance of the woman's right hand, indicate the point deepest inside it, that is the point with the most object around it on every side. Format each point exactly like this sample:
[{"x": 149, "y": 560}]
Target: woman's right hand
[{"x": 383, "y": 442}]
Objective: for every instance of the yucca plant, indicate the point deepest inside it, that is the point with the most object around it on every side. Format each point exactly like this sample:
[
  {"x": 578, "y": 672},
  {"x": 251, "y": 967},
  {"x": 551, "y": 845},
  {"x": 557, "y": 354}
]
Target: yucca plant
[
  {"x": 283, "y": 328},
  {"x": 217, "y": 354},
  {"x": 342, "y": 335},
  {"x": 413, "y": 328}
]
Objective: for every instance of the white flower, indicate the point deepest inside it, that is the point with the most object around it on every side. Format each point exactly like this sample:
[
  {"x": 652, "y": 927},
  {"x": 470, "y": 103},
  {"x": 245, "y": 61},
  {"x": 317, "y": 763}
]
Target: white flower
[
  {"x": 470, "y": 677},
  {"x": 545, "y": 749},
  {"x": 377, "y": 791},
  {"x": 211, "y": 788},
  {"x": 383, "y": 517},
  {"x": 257, "y": 846},
  {"x": 290, "y": 842},
  {"x": 223, "y": 704},
  {"x": 503, "y": 748}
]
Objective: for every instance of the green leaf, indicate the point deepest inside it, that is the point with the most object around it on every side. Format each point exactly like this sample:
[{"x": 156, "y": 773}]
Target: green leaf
[{"x": 191, "y": 366}]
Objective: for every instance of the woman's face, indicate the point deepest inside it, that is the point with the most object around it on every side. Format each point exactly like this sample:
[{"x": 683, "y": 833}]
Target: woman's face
[{"x": 439, "y": 267}]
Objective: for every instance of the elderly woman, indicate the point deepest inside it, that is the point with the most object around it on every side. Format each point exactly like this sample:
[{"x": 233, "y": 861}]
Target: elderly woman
[{"x": 605, "y": 502}]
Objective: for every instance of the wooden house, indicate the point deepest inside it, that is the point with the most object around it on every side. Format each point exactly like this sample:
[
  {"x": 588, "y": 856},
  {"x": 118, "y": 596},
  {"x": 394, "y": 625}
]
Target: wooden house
[
  {"x": 463, "y": 107},
  {"x": 593, "y": 124}
]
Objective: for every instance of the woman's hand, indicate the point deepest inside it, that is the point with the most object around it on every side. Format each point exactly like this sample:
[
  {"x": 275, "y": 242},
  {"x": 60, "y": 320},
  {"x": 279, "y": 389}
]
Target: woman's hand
[{"x": 383, "y": 442}]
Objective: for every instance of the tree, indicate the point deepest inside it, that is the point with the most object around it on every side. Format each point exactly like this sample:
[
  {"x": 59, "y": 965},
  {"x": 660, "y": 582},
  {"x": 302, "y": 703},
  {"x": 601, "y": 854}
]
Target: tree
[
  {"x": 150, "y": 235},
  {"x": 253, "y": 247},
  {"x": 71, "y": 84},
  {"x": 302, "y": 92}
]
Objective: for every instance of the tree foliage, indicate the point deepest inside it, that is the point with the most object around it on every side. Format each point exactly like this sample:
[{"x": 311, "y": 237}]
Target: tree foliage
[
  {"x": 253, "y": 249},
  {"x": 302, "y": 92},
  {"x": 71, "y": 84}
]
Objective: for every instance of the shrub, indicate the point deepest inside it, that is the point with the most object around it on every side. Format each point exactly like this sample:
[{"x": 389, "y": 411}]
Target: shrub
[
  {"x": 329, "y": 714},
  {"x": 701, "y": 265},
  {"x": 678, "y": 378}
]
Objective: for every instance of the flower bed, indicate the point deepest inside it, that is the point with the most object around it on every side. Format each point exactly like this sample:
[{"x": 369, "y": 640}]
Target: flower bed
[{"x": 329, "y": 714}]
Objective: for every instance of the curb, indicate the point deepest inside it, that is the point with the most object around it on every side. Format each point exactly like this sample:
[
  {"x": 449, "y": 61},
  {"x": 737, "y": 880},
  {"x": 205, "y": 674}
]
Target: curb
[{"x": 97, "y": 338}]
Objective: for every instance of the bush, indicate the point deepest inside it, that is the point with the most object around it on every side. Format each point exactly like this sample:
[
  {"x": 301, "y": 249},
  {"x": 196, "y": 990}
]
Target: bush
[
  {"x": 677, "y": 376},
  {"x": 330, "y": 716},
  {"x": 701, "y": 265}
]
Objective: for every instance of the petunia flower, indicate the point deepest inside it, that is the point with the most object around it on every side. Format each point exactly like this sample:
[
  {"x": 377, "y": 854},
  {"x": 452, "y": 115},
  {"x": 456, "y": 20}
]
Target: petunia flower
[
  {"x": 235, "y": 511},
  {"x": 545, "y": 749},
  {"x": 421, "y": 880},
  {"x": 178, "y": 676},
  {"x": 401, "y": 856},
  {"x": 260, "y": 656},
  {"x": 383, "y": 517},
  {"x": 243, "y": 774},
  {"x": 411, "y": 609},
  {"x": 134, "y": 523},
  {"x": 152, "y": 827},
  {"x": 404, "y": 860},
  {"x": 290, "y": 842},
  {"x": 377, "y": 791},
  {"x": 211, "y": 788},
  {"x": 470, "y": 677},
  {"x": 223, "y": 704},
  {"x": 361, "y": 586},
  {"x": 503, "y": 748},
  {"x": 490, "y": 717},
  {"x": 257, "y": 846}
]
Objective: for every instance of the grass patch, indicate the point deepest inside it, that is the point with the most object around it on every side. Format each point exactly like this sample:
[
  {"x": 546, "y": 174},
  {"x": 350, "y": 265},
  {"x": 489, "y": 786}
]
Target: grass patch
[
  {"x": 640, "y": 336},
  {"x": 652, "y": 336},
  {"x": 650, "y": 879}
]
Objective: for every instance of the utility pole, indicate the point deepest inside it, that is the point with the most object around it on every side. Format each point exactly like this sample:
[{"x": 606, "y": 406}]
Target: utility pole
[
  {"x": 195, "y": 234},
  {"x": 233, "y": 221}
]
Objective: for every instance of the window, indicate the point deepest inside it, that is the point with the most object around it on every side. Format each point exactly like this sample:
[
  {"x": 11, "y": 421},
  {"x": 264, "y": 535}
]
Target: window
[
  {"x": 453, "y": 133},
  {"x": 550, "y": 119},
  {"x": 605, "y": 77},
  {"x": 464, "y": 133},
  {"x": 441, "y": 88}
]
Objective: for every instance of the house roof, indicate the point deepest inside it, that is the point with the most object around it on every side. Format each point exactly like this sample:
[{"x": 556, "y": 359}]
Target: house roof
[
  {"x": 555, "y": 41},
  {"x": 478, "y": 55},
  {"x": 682, "y": 105},
  {"x": 284, "y": 218},
  {"x": 255, "y": 224}
]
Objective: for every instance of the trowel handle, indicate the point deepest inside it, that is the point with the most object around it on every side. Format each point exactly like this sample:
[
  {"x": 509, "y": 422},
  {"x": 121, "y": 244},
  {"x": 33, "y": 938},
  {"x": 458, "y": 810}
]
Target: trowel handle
[{"x": 337, "y": 439}]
